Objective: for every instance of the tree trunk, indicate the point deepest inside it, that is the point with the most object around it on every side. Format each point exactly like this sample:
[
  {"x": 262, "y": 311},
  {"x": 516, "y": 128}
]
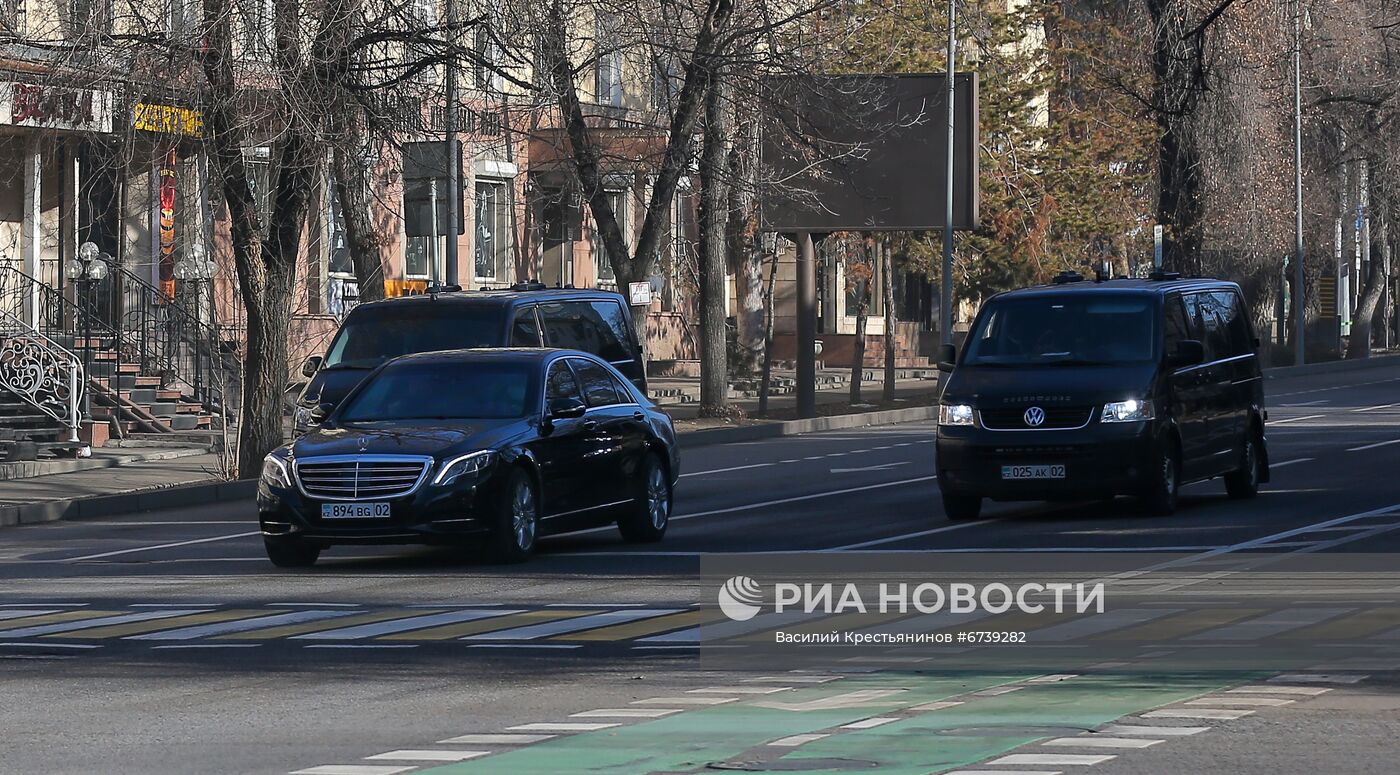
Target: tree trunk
[
  {"x": 766, "y": 383},
  {"x": 1376, "y": 281},
  {"x": 714, "y": 218},
  {"x": 745, "y": 259},
  {"x": 887, "y": 269},
  {"x": 862, "y": 291},
  {"x": 352, "y": 190}
]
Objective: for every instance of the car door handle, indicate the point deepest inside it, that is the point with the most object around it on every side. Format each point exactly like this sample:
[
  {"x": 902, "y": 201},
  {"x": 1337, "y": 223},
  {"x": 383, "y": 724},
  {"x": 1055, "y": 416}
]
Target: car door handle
[
  {"x": 638, "y": 416},
  {"x": 590, "y": 425}
]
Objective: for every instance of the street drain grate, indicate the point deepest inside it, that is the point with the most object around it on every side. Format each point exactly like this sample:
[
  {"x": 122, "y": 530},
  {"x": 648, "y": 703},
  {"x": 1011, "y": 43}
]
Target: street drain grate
[
  {"x": 1012, "y": 731},
  {"x": 796, "y": 765}
]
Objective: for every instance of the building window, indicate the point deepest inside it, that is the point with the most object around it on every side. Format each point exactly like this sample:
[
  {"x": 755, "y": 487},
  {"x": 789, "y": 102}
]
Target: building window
[
  {"x": 181, "y": 19},
  {"x": 608, "y": 51},
  {"x": 603, "y": 268},
  {"x": 488, "y": 53},
  {"x": 422, "y": 16},
  {"x": 12, "y": 17},
  {"x": 255, "y": 29},
  {"x": 494, "y": 237},
  {"x": 89, "y": 17},
  {"x": 417, "y": 251},
  {"x": 258, "y": 162}
]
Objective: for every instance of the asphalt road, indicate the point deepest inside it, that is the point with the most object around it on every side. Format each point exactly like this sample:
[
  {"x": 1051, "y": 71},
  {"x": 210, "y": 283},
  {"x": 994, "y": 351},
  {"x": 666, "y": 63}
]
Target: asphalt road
[{"x": 164, "y": 642}]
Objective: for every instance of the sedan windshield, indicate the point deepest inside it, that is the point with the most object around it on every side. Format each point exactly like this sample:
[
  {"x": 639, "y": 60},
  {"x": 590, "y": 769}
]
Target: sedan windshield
[
  {"x": 443, "y": 390},
  {"x": 374, "y": 335},
  {"x": 1063, "y": 330}
]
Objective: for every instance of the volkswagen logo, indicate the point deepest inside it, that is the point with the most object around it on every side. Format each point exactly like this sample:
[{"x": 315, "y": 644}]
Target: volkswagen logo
[{"x": 1034, "y": 416}]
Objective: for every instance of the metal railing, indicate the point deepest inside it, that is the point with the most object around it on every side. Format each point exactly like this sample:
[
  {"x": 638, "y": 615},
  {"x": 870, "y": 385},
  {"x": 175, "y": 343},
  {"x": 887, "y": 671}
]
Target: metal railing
[
  {"x": 41, "y": 372},
  {"x": 146, "y": 327}
]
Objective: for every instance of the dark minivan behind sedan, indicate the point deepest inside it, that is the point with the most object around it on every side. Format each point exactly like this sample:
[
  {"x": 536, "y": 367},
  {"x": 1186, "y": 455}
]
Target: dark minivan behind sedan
[
  {"x": 524, "y": 315},
  {"x": 491, "y": 446},
  {"x": 1088, "y": 389}
]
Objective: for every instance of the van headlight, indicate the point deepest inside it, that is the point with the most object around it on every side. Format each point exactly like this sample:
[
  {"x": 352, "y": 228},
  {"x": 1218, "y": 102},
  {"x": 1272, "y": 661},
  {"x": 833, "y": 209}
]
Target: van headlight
[
  {"x": 274, "y": 472},
  {"x": 954, "y": 414},
  {"x": 1131, "y": 410},
  {"x": 458, "y": 467}
]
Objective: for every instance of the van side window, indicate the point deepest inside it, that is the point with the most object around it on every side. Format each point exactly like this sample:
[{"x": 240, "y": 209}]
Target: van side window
[
  {"x": 616, "y": 345},
  {"x": 1236, "y": 323},
  {"x": 1176, "y": 329},
  {"x": 1210, "y": 320},
  {"x": 597, "y": 383},
  {"x": 525, "y": 330}
]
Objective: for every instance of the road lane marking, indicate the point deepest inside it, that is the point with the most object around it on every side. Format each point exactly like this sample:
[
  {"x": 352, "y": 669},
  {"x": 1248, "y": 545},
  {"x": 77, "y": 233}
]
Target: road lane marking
[
  {"x": 740, "y": 690},
  {"x": 54, "y": 645},
  {"x": 25, "y": 613},
  {"x": 497, "y": 739},
  {"x": 415, "y": 755},
  {"x": 1053, "y": 759},
  {"x": 1258, "y": 702},
  {"x": 778, "y": 502},
  {"x": 1138, "y": 729},
  {"x": 46, "y": 629},
  {"x": 792, "y": 741},
  {"x": 907, "y": 536},
  {"x": 1102, "y": 742},
  {"x": 1302, "y": 691},
  {"x": 156, "y": 547},
  {"x": 352, "y": 770},
  {"x": 361, "y": 646},
  {"x": 1199, "y": 713},
  {"x": 650, "y": 626},
  {"x": 1374, "y": 408},
  {"x": 870, "y": 723},
  {"x": 626, "y": 713},
  {"x": 566, "y": 726},
  {"x": 1296, "y": 419},
  {"x": 227, "y": 628},
  {"x": 1271, "y": 624},
  {"x": 1373, "y": 446},
  {"x": 1290, "y": 462},
  {"x": 209, "y": 646},
  {"x": 1309, "y": 403},
  {"x": 685, "y": 701},
  {"x": 371, "y": 630},
  {"x": 289, "y": 630},
  {"x": 727, "y": 470},
  {"x": 534, "y": 631}
]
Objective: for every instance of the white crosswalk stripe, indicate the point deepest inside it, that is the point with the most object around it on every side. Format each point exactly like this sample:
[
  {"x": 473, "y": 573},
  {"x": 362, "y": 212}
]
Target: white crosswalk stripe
[
  {"x": 403, "y": 625},
  {"x": 52, "y": 629},
  {"x": 563, "y": 627},
  {"x": 242, "y": 625}
]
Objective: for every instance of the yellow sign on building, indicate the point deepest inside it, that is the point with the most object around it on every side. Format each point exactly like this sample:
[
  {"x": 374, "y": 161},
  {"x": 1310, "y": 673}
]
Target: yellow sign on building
[{"x": 168, "y": 119}]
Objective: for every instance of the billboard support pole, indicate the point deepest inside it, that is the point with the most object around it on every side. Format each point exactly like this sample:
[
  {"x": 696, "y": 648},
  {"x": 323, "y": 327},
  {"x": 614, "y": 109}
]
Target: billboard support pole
[
  {"x": 806, "y": 326},
  {"x": 454, "y": 168},
  {"x": 945, "y": 296}
]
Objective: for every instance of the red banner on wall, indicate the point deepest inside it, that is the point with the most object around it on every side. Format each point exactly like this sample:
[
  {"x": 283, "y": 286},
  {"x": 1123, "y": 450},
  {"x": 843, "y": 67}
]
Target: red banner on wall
[{"x": 167, "y": 224}]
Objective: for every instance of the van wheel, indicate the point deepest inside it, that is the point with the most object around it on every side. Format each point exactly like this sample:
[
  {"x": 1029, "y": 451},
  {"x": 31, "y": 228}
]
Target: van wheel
[
  {"x": 1244, "y": 483},
  {"x": 291, "y": 553},
  {"x": 650, "y": 511},
  {"x": 517, "y": 520},
  {"x": 1164, "y": 486},
  {"x": 962, "y": 508}
]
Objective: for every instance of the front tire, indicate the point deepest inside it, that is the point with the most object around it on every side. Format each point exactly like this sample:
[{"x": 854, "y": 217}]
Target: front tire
[
  {"x": 517, "y": 521},
  {"x": 962, "y": 508},
  {"x": 649, "y": 514},
  {"x": 1244, "y": 483},
  {"x": 1164, "y": 486},
  {"x": 292, "y": 553}
]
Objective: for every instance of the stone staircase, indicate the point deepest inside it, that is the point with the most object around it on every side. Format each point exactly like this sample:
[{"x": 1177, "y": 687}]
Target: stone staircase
[{"x": 135, "y": 401}]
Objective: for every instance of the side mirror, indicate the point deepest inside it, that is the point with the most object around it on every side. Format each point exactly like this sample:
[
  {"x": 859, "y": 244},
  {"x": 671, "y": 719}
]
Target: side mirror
[
  {"x": 1189, "y": 352},
  {"x": 311, "y": 366},
  {"x": 565, "y": 408},
  {"x": 947, "y": 357},
  {"x": 321, "y": 412}
]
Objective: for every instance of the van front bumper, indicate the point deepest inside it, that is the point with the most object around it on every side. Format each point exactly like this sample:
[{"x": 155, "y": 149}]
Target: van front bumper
[{"x": 1099, "y": 460}]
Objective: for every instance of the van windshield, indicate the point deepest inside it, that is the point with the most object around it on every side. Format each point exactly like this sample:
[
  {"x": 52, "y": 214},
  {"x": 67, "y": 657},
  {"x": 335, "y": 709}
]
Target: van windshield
[
  {"x": 1063, "y": 330},
  {"x": 371, "y": 336}
]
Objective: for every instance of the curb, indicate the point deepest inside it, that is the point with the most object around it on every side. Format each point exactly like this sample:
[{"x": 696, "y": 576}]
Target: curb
[
  {"x": 27, "y": 469},
  {"x": 703, "y": 438},
  {"x": 127, "y": 502},
  {"x": 1327, "y": 367}
]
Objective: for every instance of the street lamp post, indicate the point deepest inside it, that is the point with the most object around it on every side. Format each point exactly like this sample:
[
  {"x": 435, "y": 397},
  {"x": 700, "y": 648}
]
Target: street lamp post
[
  {"x": 1299, "y": 311},
  {"x": 945, "y": 295},
  {"x": 197, "y": 269},
  {"x": 85, "y": 271}
]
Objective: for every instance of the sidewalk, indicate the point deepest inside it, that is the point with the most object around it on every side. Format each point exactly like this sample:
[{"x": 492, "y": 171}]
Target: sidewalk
[{"x": 130, "y": 480}]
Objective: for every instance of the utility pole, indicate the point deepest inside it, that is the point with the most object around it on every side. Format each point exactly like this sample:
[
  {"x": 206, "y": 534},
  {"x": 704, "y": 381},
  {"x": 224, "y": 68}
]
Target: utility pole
[
  {"x": 454, "y": 164},
  {"x": 1299, "y": 311},
  {"x": 945, "y": 296}
]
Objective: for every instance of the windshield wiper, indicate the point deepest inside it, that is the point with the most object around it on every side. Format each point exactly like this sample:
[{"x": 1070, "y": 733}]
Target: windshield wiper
[{"x": 363, "y": 365}]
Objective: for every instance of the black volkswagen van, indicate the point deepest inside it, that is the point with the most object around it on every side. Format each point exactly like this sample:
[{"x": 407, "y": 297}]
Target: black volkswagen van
[
  {"x": 525, "y": 315},
  {"x": 1087, "y": 389}
]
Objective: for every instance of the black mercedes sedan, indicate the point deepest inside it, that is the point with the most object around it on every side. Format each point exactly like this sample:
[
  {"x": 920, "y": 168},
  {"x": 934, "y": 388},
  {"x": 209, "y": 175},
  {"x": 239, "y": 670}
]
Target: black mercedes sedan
[{"x": 490, "y": 447}]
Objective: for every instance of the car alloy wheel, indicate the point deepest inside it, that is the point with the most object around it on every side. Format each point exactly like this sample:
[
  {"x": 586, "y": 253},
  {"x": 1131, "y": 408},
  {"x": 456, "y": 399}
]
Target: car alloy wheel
[
  {"x": 524, "y": 515},
  {"x": 649, "y": 513},
  {"x": 658, "y": 497},
  {"x": 1244, "y": 483}
]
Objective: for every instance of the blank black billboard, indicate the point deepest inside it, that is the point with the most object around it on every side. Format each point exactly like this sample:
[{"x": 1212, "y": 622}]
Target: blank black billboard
[{"x": 868, "y": 152}]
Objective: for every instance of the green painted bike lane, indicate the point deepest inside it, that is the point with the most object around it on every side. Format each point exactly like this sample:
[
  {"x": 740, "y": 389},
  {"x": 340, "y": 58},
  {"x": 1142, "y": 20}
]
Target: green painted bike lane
[
  {"x": 690, "y": 740},
  {"x": 980, "y": 728}
]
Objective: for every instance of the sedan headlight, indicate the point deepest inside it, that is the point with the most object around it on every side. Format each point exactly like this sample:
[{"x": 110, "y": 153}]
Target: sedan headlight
[
  {"x": 274, "y": 472},
  {"x": 954, "y": 414},
  {"x": 1127, "y": 411},
  {"x": 461, "y": 466}
]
